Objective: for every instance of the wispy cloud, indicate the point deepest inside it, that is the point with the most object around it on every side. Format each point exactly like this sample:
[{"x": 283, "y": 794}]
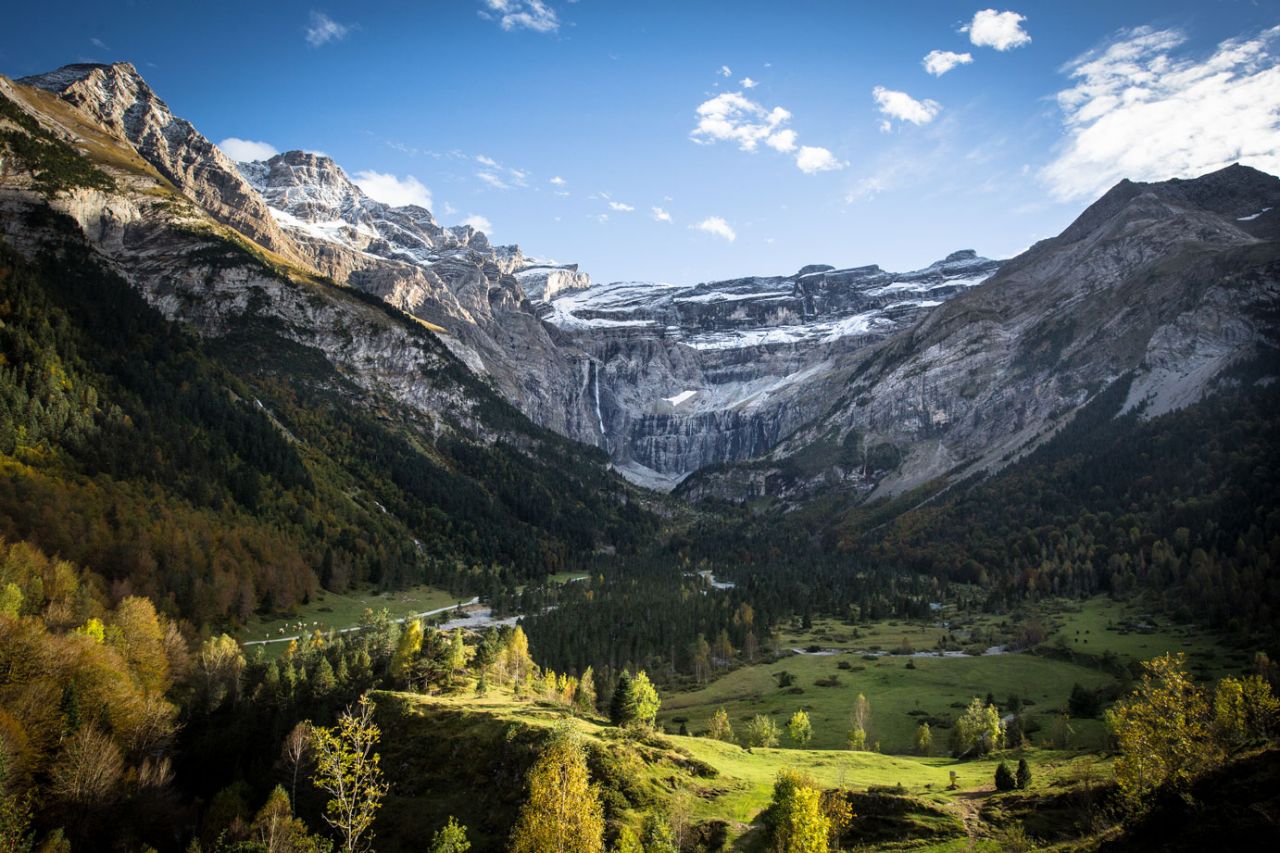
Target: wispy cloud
[
  {"x": 322, "y": 29},
  {"x": 500, "y": 177},
  {"x": 748, "y": 83},
  {"x": 513, "y": 15},
  {"x": 903, "y": 107},
  {"x": 1139, "y": 111},
  {"x": 660, "y": 215},
  {"x": 716, "y": 226},
  {"x": 98, "y": 43},
  {"x": 557, "y": 181},
  {"x": 1001, "y": 30},
  {"x": 725, "y": 71},
  {"x": 621, "y": 207},
  {"x": 390, "y": 189},
  {"x": 939, "y": 62},
  {"x": 247, "y": 150}
]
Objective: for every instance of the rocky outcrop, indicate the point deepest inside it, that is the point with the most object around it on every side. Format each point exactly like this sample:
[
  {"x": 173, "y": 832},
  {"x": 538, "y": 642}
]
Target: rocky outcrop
[{"x": 121, "y": 102}]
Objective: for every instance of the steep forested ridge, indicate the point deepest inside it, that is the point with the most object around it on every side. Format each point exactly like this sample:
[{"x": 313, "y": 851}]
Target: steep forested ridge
[{"x": 233, "y": 475}]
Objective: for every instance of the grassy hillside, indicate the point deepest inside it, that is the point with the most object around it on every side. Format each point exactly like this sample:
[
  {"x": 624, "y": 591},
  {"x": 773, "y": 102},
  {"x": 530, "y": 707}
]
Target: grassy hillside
[{"x": 466, "y": 756}]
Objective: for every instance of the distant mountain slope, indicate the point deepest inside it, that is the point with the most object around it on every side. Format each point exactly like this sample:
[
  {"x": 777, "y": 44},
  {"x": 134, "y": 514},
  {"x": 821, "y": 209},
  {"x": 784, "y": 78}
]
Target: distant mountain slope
[
  {"x": 203, "y": 420},
  {"x": 691, "y": 376},
  {"x": 1172, "y": 283},
  {"x": 748, "y": 361}
]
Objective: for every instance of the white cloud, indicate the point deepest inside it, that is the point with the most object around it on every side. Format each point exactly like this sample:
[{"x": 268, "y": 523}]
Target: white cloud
[
  {"x": 99, "y": 43},
  {"x": 748, "y": 83},
  {"x": 603, "y": 217},
  {"x": 247, "y": 150},
  {"x": 620, "y": 207},
  {"x": 478, "y": 222},
  {"x": 732, "y": 117},
  {"x": 493, "y": 180},
  {"x": 389, "y": 189},
  {"x": 903, "y": 107},
  {"x": 716, "y": 226},
  {"x": 487, "y": 161},
  {"x": 1139, "y": 111},
  {"x": 557, "y": 181},
  {"x": 660, "y": 215},
  {"x": 1001, "y": 30},
  {"x": 783, "y": 140},
  {"x": 812, "y": 159},
  {"x": 324, "y": 29},
  {"x": 939, "y": 62},
  {"x": 448, "y": 209},
  {"x": 725, "y": 71},
  {"x": 513, "y": 15}
]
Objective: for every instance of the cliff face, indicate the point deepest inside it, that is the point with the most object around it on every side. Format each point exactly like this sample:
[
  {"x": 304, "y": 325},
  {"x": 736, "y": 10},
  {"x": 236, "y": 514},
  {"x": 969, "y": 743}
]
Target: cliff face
[
  {"x": 121, "y": 102},
  {"x": 1170, "y": 283}
]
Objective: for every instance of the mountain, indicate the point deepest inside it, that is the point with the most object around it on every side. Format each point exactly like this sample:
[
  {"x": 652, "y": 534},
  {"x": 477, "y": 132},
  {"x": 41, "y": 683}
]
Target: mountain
[
  {"x": 1167, "y": 285},
  {"x": 858, "y": 379},
  {"x": 691, "y": 376},
  {"x": 210, "y": 420}
]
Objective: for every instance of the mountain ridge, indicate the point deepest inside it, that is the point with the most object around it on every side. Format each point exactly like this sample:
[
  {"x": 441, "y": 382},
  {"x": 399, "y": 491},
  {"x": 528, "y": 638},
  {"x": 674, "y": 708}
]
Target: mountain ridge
[{"x": 956, "y": 367}]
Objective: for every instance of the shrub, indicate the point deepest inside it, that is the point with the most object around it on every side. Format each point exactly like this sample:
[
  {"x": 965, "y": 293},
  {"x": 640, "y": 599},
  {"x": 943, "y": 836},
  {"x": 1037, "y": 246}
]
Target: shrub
[
  {"x": 1024, "y": 774},
  {"x": 1005, "y": 780}
]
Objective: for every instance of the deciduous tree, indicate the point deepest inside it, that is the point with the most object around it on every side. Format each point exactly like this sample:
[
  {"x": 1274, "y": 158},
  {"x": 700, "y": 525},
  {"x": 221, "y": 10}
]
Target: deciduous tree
[
  {"x": 562, "y": 813},
  {"x": 348, "y": 770}
]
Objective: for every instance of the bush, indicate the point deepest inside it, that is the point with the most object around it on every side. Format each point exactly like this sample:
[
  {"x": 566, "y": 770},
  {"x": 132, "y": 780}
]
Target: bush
[
  {"x": 1024, "y": 774},
  {"x": 1005, "y": 780}
]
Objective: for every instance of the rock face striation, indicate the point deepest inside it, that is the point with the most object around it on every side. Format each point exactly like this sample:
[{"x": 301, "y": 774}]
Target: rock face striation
[
  {"x": 857, "y": 379},
  {"x": 692, "y": 376}
]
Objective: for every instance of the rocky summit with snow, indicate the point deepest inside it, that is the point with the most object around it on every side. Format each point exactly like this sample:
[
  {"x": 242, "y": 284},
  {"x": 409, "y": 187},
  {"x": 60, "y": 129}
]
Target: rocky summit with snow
[{"x": 856, "y": 378}]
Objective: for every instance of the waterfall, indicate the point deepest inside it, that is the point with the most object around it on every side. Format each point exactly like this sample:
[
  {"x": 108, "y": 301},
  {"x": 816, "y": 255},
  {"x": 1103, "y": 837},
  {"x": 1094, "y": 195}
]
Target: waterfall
[{"x": 595, "y": 376}]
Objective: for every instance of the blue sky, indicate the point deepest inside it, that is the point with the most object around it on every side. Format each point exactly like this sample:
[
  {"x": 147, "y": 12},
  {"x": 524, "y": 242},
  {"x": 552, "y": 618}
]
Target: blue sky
[{"x": 628, "y": 136}]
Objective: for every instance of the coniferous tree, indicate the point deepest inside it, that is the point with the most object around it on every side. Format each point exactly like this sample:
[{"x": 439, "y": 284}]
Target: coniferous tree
[
  {"x": 1005, "y": 780},
  {"x": 1024, "y": 774},
  {"x": 618, "y": 702}
]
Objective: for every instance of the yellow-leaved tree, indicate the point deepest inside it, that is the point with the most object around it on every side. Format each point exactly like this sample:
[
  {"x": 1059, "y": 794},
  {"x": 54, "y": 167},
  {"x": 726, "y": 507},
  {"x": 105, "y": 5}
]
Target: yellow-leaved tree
[
  {"x": 563, "y": 813},
  {"x": 1163, "y": 730},
  {"x": 796, "y": 821},
  {"x": 347, "y": 769}
]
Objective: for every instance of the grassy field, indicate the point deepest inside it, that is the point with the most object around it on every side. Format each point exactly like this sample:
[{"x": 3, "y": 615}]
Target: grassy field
[
  {"x": 868, "y": 658},
  {"x": 734, "y": 786},
  {"x": 1129, "y": 630},
  {"x": 337, "y": 611},
  {"x": 900, "y": 697}
]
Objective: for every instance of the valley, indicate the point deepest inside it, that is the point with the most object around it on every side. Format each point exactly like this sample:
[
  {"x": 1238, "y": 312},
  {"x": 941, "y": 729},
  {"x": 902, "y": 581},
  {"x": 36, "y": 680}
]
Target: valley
[{"x": 298, "y": 486}]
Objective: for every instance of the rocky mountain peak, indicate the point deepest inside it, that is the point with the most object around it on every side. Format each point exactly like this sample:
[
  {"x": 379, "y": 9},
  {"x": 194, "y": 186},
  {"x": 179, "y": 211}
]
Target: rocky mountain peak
[{"x": 119, "y": 99}]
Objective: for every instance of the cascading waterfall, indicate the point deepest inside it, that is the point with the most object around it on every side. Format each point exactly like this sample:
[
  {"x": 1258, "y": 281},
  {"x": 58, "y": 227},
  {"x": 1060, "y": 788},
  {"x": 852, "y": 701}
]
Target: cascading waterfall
[{"x": 595, "y": 378}]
